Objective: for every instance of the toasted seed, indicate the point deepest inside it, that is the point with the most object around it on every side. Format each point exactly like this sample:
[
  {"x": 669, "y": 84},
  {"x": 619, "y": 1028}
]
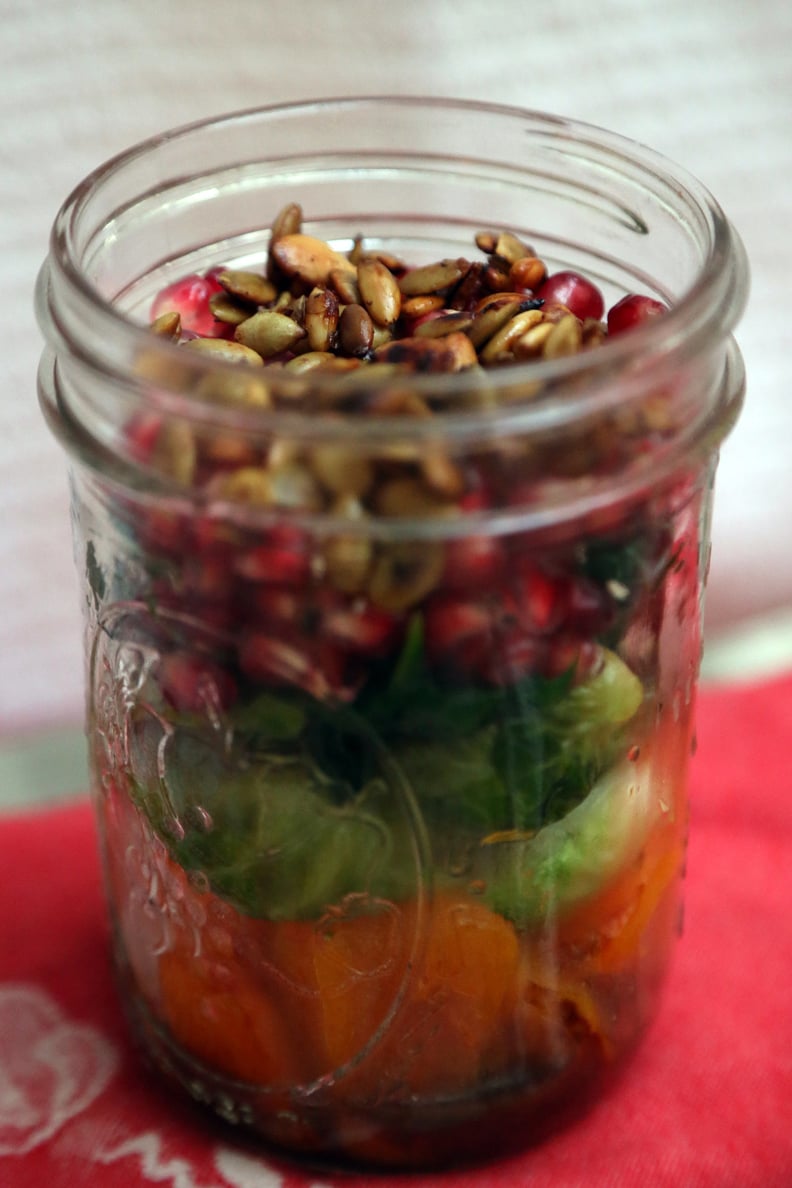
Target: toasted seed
[
  {"x": 175, "y": 453},
  {"x": 403, "y": 573},
  {"x": 394, "y": 263},
  {"x": 167, "y": 325},
  {"x": 355, "y": 331},
  {"x": 531, "y": 344},
  {"x": 310, "y": 259},
  {"x": 245, "y": 388},
  {"x": 382, "y": 334},
  {"x": 345, "y": 285},
  {"x": 359, "y": 253},
  {"x": 424, "y": 303},
  {"x": 445, "y": 324},
  {"x": 497, "y": 300},
  {"x": 356, "y": 252},
  {"x": 321, "y": 318},
  {"x": 224, "y": 350},
  {"x": 454, "y": 352},
  {"x": 283, "y": 302},
  {"x": 501, "y": 342},
  {"x": 321, "y": 361},
  {"x": 490, "y": 320},
  {"x": 398, "y": 402},
  {"x": 347, "y": 562},
  {"x": 226, "y": 449},
  {"x": 594, "y": 333},
  {"x": 268, "y": 333},
  {"x": 554, "y": 311},
  {"x": 431, "y": 278},
  {"x": 341, "y": 470},
  {"x": 347, "y": 558},
  {"x": 248, "y": 286},
  {"x": 510, "y": 248},
  {"x": 247, "y": 484},
  {"x": 407, "y": 497},
  {"x": 656, "y": 413},
  {"x": 440, "y": 474},
  {"x": 464, "y": 295},
  {"x": 496, "y": 276},
  {"x": 310, "y": 361},
  {"x": 288, "y": 221},
  {"x": 565, "y": 338},
  {"x": 379, "y": 291},
  {"x": 292, "y": 485},
  {"x": 527, "y": 273},
  {"x": 226, "y": 309},
  {"x": 485, "y": 241}
]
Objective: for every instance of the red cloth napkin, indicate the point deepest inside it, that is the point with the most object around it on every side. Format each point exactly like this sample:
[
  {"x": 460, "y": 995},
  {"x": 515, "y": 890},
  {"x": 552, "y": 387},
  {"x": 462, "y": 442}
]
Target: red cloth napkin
[{"x": 707, "y": 1103}]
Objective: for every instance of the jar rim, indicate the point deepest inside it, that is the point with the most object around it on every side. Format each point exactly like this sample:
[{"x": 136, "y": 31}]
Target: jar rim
[{"x": 707, "y": 312}]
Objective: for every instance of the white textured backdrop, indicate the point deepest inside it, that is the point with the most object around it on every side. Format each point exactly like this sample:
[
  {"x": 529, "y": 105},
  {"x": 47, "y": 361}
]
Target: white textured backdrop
[{"x": 708, "y": 82}]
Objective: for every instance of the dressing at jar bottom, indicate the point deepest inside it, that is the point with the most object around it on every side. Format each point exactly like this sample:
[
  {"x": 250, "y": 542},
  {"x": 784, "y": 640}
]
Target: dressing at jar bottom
[{"x": 385, "y": 1032}]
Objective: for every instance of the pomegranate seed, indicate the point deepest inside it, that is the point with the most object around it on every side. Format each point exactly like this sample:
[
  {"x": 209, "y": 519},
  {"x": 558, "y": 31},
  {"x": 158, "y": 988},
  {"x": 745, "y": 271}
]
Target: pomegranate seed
[
  {"x": 282, "y": 559},
  {"x": 265, "y": 658},
  {"x": 366, "y": 630},
  {"x": 568, "y": 653},
  {"x": 633, "y": 310},
  {"x": 320, "y": 668},
  {"x": 208, "y": 577},
  {"x": 473, "y": 562},
  {"x": 579, "y": 295},
  {"x": 456, "y": 631},
  {"x": 541, "y": 600},
  {"x": 563, "y": 656},
  {"x": 279, "y": 566},
  {"x": 458, "y": 634},
  {"x": 278, "y": 604},
  {"x": 189, "y": 298},
  {"x": 165, "y": 532},
  {"x": 515, "y": 655},
  {"x": 141, "y": 433},
  {"x": 589, "y": 610},
  {"x": 193, "y": 684}
]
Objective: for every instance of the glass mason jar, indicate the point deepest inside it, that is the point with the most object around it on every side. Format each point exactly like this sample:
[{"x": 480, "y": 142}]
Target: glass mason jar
[{"x": 391, "y": 669}]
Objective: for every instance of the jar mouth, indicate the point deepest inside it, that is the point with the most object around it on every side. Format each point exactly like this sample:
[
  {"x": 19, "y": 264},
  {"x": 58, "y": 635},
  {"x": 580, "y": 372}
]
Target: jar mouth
[{"x": 90, "y": 323}]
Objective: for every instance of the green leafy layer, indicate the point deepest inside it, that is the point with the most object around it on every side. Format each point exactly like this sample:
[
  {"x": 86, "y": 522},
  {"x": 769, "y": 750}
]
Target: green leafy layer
[{"x": 311, "y": 802}]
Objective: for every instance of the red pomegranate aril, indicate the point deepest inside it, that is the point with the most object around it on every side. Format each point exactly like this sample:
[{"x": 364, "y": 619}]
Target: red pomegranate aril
[
  {"x": 365, "y": 630},
  {"x": 570, "y": 653},
  {"x": 277, "y": 604},
  {"x": 451, "y": 623},
  {"x": 318, "y": 667},
  {"x": 579, "y": 295},
  {"x": 163, "y": 531},
  {"x": 633, "y": 310},
  {"x": 282, "y": 559},
  {"x": 209, "y": 577},
  {"x": 515, "y": 655},
  {"x": 473, "y": 563},
  {"x": 189, "y": 297},
  {"x": 589, "y": 609},
  {"x": 267, "y": 658},
  {"x": 193, "y": 684},
  {"x": 541, "y": 600},
  {"x": 141, "y": 432}
]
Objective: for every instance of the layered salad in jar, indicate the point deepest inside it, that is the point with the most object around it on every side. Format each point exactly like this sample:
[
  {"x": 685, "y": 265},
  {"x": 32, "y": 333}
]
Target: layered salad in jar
[{"x": 392, "y": 790}]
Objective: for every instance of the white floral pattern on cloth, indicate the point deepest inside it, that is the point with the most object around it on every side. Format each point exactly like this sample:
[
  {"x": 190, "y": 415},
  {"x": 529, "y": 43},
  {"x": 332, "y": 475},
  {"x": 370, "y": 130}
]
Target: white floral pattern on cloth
[
  {"x": 51, "y": 1069},
  {"x": 243, "y": 1171}
]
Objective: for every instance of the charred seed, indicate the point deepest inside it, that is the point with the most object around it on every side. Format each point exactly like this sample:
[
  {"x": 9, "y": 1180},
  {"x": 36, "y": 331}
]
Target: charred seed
[
  {"x": 355, "y": 331},
  {"x": 379, "y": 291}
]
